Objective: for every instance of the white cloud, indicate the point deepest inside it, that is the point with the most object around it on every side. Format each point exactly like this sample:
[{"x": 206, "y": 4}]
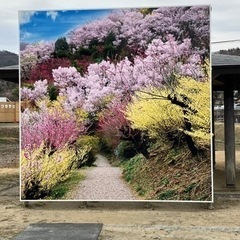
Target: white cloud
[
  {"x": 52, "y": 14},
  {"x": 26, "y": 35},
  {"x": 25, "y": 16}
]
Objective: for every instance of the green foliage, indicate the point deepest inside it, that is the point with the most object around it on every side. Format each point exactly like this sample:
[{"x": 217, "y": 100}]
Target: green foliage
[
  {"x": 81, "y": 52},
  {"x": 62, "y": 48},
  {"x": 27, "y": 85},
  {"x": 93, "y": 44},
  {"x": 146, "y": 11},
  {"x": 92, "y": 145},
  {"x": 141, "y": 191},
  {"x": 164, "y": 181},
  {"x": 104, "y": 146},
  {"x": 132, "y": 167},
  {"x": 79, "y": 68},
  {"x": 190, "y": 187},
  {"x": 123, "y": 50},
  {"x": 109, "y": 48},
  {"x": 53, "y": 92},
  {"x": 99, "y": 50},
  {"x": 60, "y": 190},
  {"x": 166, "y": 195},
  {"x": 108, "y": 40},
  {"x": 125, "y": 150},
  {"x": 92, "y": 141}
]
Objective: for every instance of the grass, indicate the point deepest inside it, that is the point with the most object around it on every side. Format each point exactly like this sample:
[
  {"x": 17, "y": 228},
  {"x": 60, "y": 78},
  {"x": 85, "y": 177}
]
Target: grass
[
  {"x": 219, "y": 136},
  {"x": 131, "y": 167},
  {"x": 61, "y": 190},
  {"x": 170, "y": 174}
]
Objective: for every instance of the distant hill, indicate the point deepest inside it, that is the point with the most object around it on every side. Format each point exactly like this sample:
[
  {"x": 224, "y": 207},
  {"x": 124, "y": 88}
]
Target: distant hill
[
  {"x": 8, "y": 89},
  {"x": 8, "y": 58},
  {"x": 232, "y": 51}
]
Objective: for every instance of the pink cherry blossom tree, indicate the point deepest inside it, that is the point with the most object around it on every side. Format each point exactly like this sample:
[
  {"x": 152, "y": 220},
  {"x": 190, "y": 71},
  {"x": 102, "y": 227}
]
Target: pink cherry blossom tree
[
  {"x": 38, "y": 91},
  {"x": 107, "y": 79},
  {"x": 33, "y": 54},
  {"x": 51, "y": 128}
]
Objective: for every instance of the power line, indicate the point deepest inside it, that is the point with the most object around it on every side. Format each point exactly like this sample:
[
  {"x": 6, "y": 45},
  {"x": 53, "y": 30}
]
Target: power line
[{"x": 226, "y": 41}]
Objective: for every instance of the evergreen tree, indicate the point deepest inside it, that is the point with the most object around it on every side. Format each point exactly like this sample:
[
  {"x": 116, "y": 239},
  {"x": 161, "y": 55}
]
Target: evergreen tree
[{"x": 62, "y": 48}]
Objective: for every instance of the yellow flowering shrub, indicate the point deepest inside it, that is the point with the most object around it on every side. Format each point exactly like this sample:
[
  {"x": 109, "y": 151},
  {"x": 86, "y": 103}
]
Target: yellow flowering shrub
[
  {"x": 41, "y": 169},
  {"x": 167, "y": 110}
]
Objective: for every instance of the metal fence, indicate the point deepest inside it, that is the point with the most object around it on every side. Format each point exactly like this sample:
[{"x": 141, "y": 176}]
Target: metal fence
[{"x": 9, "y": 112}]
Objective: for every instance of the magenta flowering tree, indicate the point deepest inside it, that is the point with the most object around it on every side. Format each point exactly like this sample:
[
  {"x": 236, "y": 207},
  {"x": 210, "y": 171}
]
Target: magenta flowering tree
[
  {"x": 49, "y": 152},
  {"x": 114, "y": 127},
  {"x": 44, "y": 69},
  {"x": 111, "y": 121},
  {"x": 51, "y": 128}
]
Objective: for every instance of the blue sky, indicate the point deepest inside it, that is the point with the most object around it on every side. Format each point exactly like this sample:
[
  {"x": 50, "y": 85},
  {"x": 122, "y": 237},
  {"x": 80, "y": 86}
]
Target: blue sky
[
  {"x": 36, "y": 26},
  {"x": 225, "y": 16}
]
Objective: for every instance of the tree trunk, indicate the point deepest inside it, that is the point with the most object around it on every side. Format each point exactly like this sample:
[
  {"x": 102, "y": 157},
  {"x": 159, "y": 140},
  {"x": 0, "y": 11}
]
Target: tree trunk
[
  {"x": 135, "y": 136},
  {"x": 188, "y": 125}
]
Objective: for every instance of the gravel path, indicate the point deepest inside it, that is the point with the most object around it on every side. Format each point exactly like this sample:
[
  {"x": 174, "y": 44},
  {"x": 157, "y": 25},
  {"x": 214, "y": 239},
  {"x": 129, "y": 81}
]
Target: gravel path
[{"x": 103, "y": 182}]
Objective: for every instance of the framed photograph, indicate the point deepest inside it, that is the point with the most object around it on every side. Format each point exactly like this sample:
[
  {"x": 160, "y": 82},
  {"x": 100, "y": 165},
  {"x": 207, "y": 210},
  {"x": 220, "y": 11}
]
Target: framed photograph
[{"x": 116, "y": 104}]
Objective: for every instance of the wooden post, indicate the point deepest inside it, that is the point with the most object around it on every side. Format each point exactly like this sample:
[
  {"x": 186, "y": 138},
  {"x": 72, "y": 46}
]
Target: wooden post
[{"x": 229, "y": 132}]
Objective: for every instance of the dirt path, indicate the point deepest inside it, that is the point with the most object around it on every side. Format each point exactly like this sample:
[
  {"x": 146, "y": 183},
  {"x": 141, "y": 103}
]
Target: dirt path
[
  {"x": 9, "y": 146},
  {"x": 122, "y": 220},
  {"x": 103, "y": 182}
]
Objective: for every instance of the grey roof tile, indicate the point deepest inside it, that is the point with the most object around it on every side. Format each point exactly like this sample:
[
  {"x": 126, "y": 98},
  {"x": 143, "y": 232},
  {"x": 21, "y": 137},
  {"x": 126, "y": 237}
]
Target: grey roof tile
[
  {"x": 225, "y": 60},
  {"x": 12, "y": 67}
]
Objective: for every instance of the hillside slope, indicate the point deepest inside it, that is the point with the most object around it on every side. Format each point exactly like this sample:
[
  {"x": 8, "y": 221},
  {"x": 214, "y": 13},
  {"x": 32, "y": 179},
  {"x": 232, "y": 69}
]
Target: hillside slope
[{"x": 8, "y": 89}]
